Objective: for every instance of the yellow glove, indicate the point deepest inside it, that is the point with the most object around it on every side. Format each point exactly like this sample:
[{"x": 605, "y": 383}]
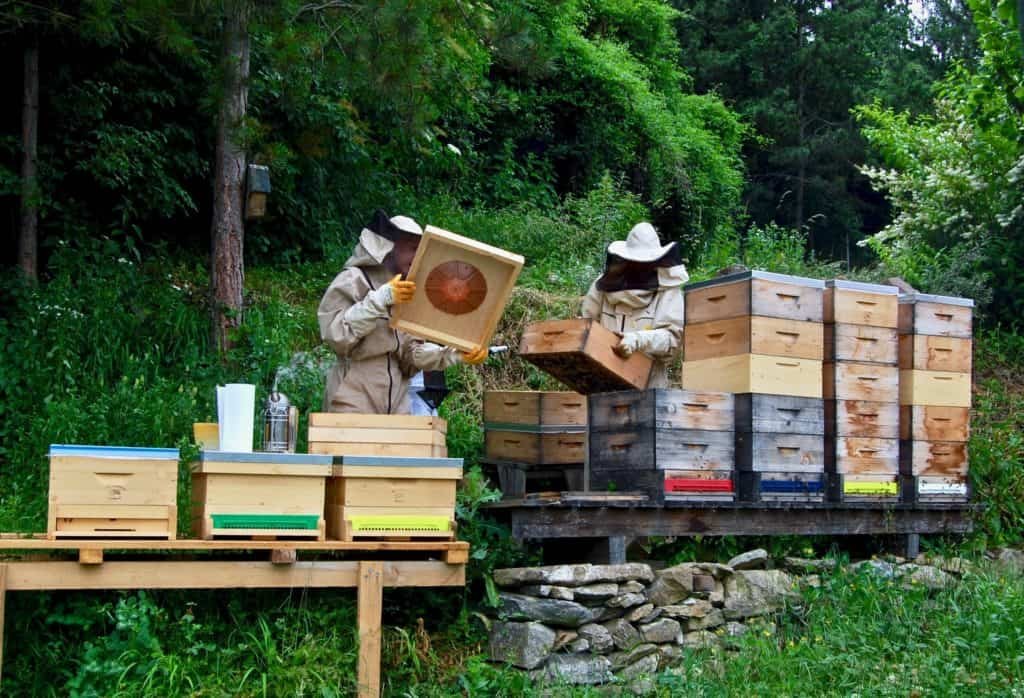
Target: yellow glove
[
  {"x": 401, "y": 291},
  {"x": 476, "y": 356}
]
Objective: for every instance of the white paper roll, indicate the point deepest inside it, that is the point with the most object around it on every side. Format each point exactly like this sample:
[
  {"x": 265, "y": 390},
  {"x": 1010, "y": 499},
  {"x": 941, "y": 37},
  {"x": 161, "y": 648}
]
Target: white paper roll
[{"x": 236, "y": 408}]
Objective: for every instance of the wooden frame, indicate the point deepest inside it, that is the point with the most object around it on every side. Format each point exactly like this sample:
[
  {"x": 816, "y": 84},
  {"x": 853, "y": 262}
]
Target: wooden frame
[
  {"x": 467, "y": 331},
  {"x": 283, "y": 571}
]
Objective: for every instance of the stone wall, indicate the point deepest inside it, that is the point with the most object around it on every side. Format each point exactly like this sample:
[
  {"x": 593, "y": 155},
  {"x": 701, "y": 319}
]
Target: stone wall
[{"x": 593, "y": 624}]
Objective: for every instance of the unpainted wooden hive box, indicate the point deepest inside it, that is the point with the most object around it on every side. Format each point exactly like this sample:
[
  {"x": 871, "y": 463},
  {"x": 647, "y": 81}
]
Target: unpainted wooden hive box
[
  {"x": 259, "y": 494},
  {"x": 112, "y": 492},
  {"x": 388, "y": 435},
  {"x": 388, "y": 497}
]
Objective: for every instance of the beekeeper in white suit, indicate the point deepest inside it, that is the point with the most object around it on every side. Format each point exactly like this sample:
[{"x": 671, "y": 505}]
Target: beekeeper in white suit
[
  {"x": 375, "y": 362},
  {"x": 640, "y": 296}
]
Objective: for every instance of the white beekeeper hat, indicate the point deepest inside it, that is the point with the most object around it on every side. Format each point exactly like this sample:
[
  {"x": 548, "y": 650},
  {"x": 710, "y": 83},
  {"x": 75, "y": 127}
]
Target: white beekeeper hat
[
  {"x": 378, "y": 238},
  {"x": 641, "y": 245}
]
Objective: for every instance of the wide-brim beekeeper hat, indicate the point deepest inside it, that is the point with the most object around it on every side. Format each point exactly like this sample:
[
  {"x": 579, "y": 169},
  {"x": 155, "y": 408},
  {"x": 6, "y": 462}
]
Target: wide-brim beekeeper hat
[
  {"x": 379, "y": 236},
  {"x": 642, "y": 245}
]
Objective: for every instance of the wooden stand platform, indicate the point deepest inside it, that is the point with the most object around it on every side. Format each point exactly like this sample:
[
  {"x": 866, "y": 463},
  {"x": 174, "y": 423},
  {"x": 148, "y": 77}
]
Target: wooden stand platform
[
  {"x": 515, "y": 478},
  {"x": 375, "y": 565},
  {"x": 574, "y": 515}
]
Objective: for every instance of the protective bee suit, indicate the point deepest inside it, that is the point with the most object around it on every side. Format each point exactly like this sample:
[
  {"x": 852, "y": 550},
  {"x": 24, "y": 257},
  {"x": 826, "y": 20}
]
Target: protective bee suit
[
  {"x": 375, "y": 362},
  {"x": 640, "y": 296}
]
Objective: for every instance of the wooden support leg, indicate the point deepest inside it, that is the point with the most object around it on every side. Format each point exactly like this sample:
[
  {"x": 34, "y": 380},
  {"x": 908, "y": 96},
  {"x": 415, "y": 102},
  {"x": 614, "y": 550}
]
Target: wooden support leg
[
  {"x": 370, "y": 600},
  {"x": 512, "y": 481},
  {"x": 617, "y": 550},
  {"x": 3, "y": 603},
  {"x": 90, "y": 556},
  {"x": 283, "y": 556},
  {"x": 912, "y": 545}
]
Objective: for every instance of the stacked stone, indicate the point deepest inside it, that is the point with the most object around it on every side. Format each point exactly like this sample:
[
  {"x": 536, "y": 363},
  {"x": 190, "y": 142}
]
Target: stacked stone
[{"x": 590, "y": 624}]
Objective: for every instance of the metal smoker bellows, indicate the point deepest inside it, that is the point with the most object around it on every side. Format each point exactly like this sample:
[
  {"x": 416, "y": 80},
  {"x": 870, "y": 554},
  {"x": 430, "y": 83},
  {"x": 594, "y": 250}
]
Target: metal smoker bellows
[{"x": 280, "y": 423}]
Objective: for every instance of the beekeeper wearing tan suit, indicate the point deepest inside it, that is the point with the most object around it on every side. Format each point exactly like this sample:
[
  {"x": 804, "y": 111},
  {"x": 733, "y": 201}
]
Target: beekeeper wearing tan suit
[
  {"x": 375, "y": 362},
  {"x": 640, "y": 296}
]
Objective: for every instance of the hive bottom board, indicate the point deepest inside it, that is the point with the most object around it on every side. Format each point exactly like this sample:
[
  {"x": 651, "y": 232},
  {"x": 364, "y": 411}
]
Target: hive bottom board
[
  {"x": 668, "y": 485},
  {"x": 863, "y": 488},
  {"x": 923, "y": 489},
  {"x": 781, "y": 487}
]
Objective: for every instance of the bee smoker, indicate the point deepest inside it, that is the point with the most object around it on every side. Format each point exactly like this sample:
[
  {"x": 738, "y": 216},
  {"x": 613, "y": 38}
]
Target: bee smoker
[{"x": 280, "y": 423}]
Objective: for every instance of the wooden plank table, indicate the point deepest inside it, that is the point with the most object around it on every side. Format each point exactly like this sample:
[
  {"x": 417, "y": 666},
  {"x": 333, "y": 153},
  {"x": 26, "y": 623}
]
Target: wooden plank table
[
  {"x": 575, "y": 516},
  {"x": 378, "y": 564}
]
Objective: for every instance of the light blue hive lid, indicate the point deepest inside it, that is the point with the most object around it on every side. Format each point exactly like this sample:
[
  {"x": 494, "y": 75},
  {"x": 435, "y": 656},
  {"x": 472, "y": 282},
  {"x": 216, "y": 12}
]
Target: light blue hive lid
[
  {"x": 398, "y": 462},
  {"x": 264, "y": 457},
  {"x": 136, "y": 452}
]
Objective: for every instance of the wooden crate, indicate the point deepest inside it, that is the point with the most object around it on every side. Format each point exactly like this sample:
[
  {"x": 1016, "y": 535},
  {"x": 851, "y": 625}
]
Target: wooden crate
[
  {"x": 861, "y": 343},
  {"x": 754, "y": 293},
  {"x": 662, "y": 486},
  {"x": 516, "y": 480},
  {"x": 661, "y": 408},
  {"x": 755, "y": 373},
  {"x": 781, "y": 487},
  {"x": 943, "y": 316},
  {"x": 536, "y": 445},
  {"x": 862, "y": 419},
  {"x": 112, "y": 492},
  {"x": 259, "y": 494},
  {"x": 935, "y": 490},
  {"x": 934, "y": 458},
  {"x": 849, "y": 455},
  {"x": 380, "y": 497},
  {"x": 753, "y": 335},
  {"x": 480, "y": 281},
  {"x": 780, "y": 453},
  {"x": 855, "y": 303},
  {"x": 377, "y": 435},
  {"x": 864, "y": 488},
  {"x": 661, "y": 449},
  {"x": 535, "y": 408},
  {"x": 779, "y": 414},
  {"x": 939, "y": 388},
  {"x": 932, "y": 353},
  {"x": 579, "y": 353},
  {"x": 934, "y": 423},
  {"x": 846, "y": 380}
]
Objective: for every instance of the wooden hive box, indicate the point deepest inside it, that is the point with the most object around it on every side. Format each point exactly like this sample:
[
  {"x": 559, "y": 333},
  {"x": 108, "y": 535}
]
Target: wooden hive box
[
  {"x": 935, "y": 388},
  {"x": 862, "y": 419},
  {"x": 932, "y": 353},
  {"x": 112, "y": 492},
  {"x": 941, "y": 316},
  {"x": 934, "y": 458},
  {"x": 781, "y": 487},
  {"x": 579, "y": 352},
  {"x": 849, "y": 455},
  {"x": 747, "y": 334},
  {"x": 846, "y": 380},
  {"x": 382, "y": 497},
  {"x": 536, "y": 428},
  {"x": 664, "y": 486},
  {"x": 462, "y": 288},
  {"x": 377, "y": 435},
  {"x": 856, "y": 303},
  {"x": 754, "y": 373},
  {"x": 861, "y": 344},
  {"x": 661, "y": 429},
  {"x": 779, "y": 433},
  {"x": 259, "y": 494},
  {"x": 755, "y": 293},
  {"x": 535, "y": 408},
  {"x": 934, "y": 423}
]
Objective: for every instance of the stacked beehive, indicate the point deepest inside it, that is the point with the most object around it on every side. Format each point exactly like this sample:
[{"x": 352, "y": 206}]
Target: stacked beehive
[
  {"x": 935, "y": 351},
  {"x": 861, "y": 392},
  {"x": 530, "y": 435},
  {"x": 760, "y": 335},
  {"x": 672, "y": 445}
]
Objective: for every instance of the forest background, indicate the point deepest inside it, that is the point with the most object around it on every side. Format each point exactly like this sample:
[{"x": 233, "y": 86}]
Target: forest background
[{"x": 863, "y": 139}]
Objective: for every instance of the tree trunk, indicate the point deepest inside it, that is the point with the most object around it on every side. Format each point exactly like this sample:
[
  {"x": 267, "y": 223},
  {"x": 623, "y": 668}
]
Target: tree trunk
[
  {"x": 227, "y": 271},
  {"x": 28, "y": 243},
  {"x": 801, "y": 174}
]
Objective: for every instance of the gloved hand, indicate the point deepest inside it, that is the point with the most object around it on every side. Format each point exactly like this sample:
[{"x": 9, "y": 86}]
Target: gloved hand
[
  {"x": 629, "y": 344},
  {"x": 401, "y": 291},
  {"x": 475, "y": 357}
]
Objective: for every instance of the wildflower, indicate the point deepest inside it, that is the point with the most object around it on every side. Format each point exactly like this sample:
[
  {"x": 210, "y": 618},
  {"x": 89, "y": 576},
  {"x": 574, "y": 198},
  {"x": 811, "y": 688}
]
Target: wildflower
[{"x": 454, "y": 149}]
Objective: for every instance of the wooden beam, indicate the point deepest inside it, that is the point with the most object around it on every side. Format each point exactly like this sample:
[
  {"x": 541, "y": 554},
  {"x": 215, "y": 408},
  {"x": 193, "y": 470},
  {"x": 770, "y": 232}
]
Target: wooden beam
[
  {"x": 173, "y": 574},
  {"x": 3, "y": 603},
  {"x": 370, "y": 603},
  {"x": 90, "y": 556},
  {"x": 457, "y": 556},
  {"x": 14, "y": 541},
  {"x": 283, "y": 556},
  {"x": 571, "y": 522}
]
